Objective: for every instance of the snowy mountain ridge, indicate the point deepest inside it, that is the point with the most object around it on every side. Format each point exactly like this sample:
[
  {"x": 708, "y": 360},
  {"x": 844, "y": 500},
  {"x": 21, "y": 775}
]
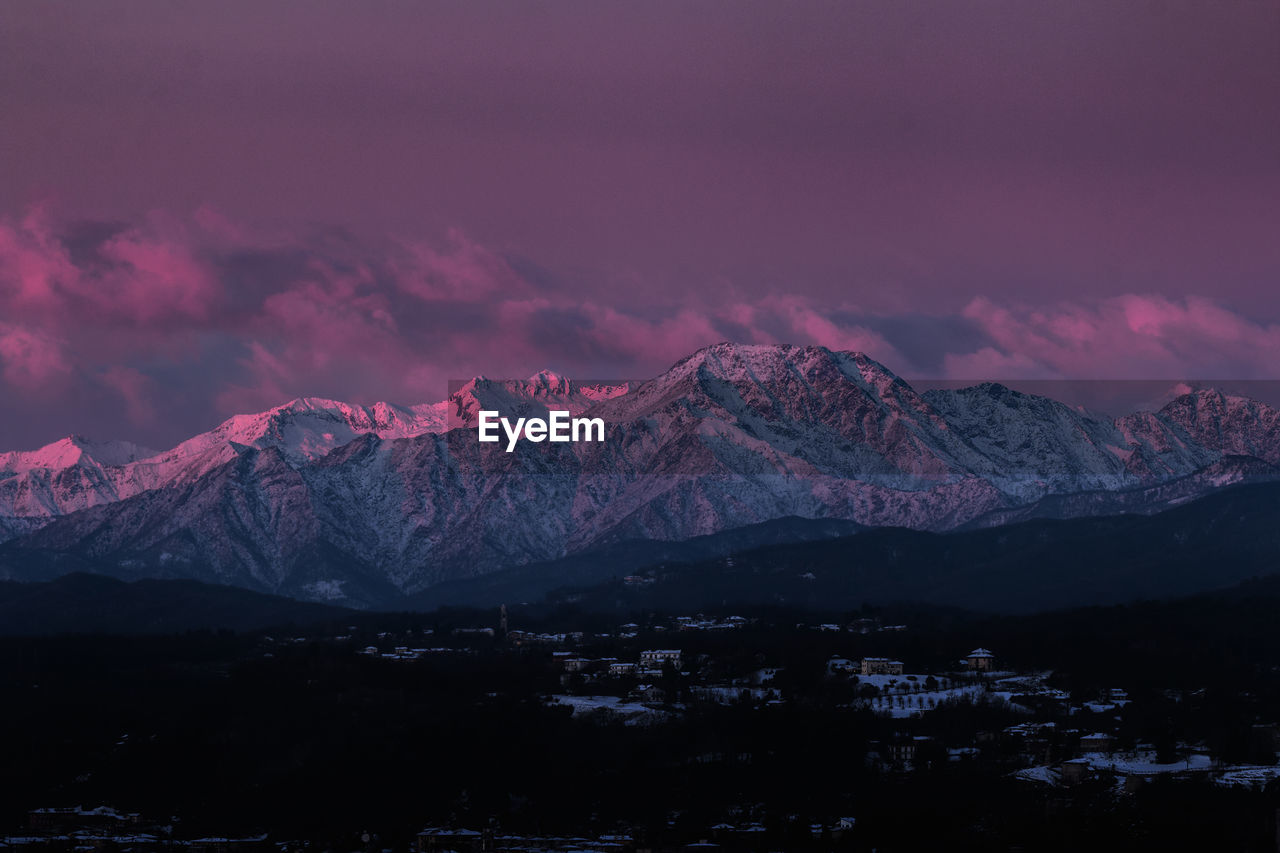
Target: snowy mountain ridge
[
  {"x": 74, "y": 473},
  {"x": 72, "y": 450},
  {"x": 326, "y": 500}
]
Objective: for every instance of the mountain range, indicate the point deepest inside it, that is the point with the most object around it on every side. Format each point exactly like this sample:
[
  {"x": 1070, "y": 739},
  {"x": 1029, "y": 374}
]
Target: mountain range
[{"x": 368, "y": 505}]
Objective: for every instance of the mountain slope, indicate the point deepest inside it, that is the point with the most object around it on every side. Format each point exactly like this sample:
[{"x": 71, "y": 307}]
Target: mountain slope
[
  {"x": 1230, "y": 424},
  {"x": 1213, "y": 543},
  {"x": 74, "y": 473},
  {"x": 326, "y": 501},
  {"x": 93, "y": 604}
]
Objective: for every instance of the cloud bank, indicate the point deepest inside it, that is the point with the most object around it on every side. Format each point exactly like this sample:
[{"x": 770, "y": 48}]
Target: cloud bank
[{"x": 157, "y": 329}]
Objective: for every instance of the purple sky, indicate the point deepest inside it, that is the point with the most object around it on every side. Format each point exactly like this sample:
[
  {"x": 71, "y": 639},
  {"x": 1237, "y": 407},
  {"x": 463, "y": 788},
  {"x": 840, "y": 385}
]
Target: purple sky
[{"x": 210, "y": 208}]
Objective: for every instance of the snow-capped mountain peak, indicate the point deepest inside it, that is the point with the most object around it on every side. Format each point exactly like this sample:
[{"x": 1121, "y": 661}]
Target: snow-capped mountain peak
[
  {"x": 1230, "y": 423},
  {"x": 73, "y": 450},
  {"x": 549, "y": 382},
  {"x": 532, "y": 397},
  {"x": 728, "y": 436}
]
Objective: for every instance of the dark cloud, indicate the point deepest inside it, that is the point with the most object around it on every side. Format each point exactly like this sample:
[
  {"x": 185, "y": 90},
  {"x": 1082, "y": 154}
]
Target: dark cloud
[{"x": 925, "y": 340}]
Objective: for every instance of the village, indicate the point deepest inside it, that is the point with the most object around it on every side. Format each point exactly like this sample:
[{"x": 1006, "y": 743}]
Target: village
[
  {"x": 1060, "y": 740},
  {"x": 1065, "y": 740},
  {"x": 896, "y": 707}
]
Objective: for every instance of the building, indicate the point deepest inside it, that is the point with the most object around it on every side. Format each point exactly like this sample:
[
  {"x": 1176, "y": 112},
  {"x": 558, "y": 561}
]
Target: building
[
  {"x": 902, "y": 750},
  {"x": 1035, "y": 742},
  {"x": 980, "y": 660},
  {"x": 655, "y": 658},
  {"x": 76, "y": 818},
  {"x": 1075, "y": 771},
  {"x": 622, "y": 668},
  {"x": 881, "y": 666},
  {"x": 1098, "y": 742},
  {"x": 648, "y": 693},
  {"x": 455, "y": 840}
]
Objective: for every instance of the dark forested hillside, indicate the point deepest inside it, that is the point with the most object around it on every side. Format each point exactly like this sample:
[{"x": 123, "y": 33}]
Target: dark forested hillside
[
  {"x": 1211, "y": 543},
  {"x": 92, "y": 604}
]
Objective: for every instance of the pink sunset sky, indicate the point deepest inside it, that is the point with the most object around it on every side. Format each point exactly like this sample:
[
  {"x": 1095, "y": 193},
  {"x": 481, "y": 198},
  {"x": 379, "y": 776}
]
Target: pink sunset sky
[{"x": 208, "y": 209}]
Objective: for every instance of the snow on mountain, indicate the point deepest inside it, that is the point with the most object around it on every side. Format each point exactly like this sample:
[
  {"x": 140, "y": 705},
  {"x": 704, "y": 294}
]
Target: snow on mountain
[
  {"x": 838, "y": 413},
  {"x": 1035, "y": 446},
  {"x": 61, "y": 477},
  {"x": 1158, "y": 496},
  {"x": 532, "y": 397},
  {"x": 73, "y": 450},
  {"x": 371, "y": 502},
  {"x": 73, "y": 473},
  {"x": 1227, "y": 423},
  {"x": 303, "y": 429}
]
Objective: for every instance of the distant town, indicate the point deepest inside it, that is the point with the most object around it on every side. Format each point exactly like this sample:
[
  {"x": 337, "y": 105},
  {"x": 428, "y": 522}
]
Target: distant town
[{"x": 730, "y": 690}]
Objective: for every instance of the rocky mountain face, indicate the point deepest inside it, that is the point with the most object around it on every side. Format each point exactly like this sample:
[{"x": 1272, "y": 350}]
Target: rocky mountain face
[
  {"x": 328, "y": 501},
  {"x": 74, "y": 474}
]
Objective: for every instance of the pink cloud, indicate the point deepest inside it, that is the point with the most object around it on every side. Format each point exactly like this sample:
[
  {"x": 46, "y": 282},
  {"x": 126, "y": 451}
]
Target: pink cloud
[
  {"x": 135, "y": 388},
  {"x": 1131, "y": 336},
  {"x": 204, "y": 319},
  {"x": 267, "y": 380},
  {"x": 460, "y": 270},
  {"x": 329, "y": 316},
  {"x": 646, "y": 340},
  {"x": 33, "y": 265},
  {"x": 139, "y": 276},
  {"x": 30, "y": 360},
  {"x": 811, "y": 324},
  {"x": 153, "y": 277},
  {"x": 991, "y": 363}
]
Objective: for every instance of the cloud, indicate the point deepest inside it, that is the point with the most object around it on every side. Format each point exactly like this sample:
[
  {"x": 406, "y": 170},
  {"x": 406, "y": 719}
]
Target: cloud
[
  {"x": 30, "y": 360},
  {"x": 808, "y": 323},
  {"x": 135, "y": 277},
  {"x": 460, "y": 271},
  {"x": 1130, "y": 336},
  {"x": 135, "y": 389},
  {"x": 158, "y": 329},
  {"x": 179, "y": 323}
]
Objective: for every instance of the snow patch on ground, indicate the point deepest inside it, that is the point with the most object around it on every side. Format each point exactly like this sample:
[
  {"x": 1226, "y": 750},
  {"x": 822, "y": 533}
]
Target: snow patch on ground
[{"x": 635, "y": 713}]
